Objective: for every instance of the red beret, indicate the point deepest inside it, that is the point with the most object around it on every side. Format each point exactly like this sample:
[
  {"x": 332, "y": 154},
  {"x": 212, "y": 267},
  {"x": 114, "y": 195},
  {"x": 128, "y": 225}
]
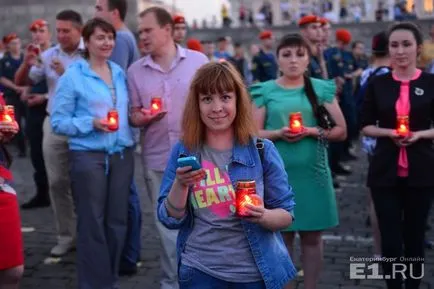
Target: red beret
[
  {"x": 323, "y": 21},
  {"x": 8, "y": 38},
  {"x": 38, "y": 23},
  {"x": 343, "y": 35},
  {"x": 309, "y": 19},
  {"x": 266, "y": 34},
  {"x": 194, "y": 44},
  {"x": 178, "y": 19}
]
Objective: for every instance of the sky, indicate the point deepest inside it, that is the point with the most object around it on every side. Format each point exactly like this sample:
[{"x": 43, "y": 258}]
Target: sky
[{"x": 198, "y": 9}]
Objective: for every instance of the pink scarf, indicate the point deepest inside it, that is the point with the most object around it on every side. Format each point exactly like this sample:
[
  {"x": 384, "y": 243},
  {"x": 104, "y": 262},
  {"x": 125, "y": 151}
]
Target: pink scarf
[{"x": 402, "y": 107}]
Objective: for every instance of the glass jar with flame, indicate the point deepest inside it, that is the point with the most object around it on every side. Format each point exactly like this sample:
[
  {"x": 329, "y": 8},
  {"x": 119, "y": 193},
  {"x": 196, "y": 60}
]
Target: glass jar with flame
[
  {"x": 156, "y": 105},
  {"x": 8, "y": 114},
  {"x": 402, "y": 125},
  {"x": 113, "y": 120},
  {"x": 245, "y": 194},
  {"x": 295, "y": 122}
]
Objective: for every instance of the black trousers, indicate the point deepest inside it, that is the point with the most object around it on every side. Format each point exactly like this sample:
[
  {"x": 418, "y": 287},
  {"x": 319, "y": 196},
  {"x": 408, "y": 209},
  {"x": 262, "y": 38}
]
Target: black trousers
[
  {"x": 35, "y": 121},
  {"x": 402, "y": 213}
]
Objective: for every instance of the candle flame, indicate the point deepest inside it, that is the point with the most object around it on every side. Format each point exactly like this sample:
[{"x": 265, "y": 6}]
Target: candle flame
[
  {"x": 296, "y": 124},
  {"x": 247, "y": 200},
  {"x": 112, "y": 120},
  {"x": 8, "y": 118},
  {"x": 155, "y": 106}
]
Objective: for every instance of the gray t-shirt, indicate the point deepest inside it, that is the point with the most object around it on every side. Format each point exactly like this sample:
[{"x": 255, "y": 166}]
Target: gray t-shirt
[
  {"x": 125, "y": 51},
  {"x": 218, "y": 245}
]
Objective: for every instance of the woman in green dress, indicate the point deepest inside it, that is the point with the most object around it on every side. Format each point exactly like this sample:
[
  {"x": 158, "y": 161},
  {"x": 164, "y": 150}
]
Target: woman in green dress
[{"x": 304, "y": 155}]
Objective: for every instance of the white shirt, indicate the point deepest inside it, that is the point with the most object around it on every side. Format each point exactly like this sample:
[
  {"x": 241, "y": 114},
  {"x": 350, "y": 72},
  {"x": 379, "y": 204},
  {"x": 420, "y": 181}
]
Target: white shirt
[{"x": 44, "y": 71}]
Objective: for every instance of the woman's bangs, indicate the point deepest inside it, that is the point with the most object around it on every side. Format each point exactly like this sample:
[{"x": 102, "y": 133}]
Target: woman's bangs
[
  {"x": 294, "y": 41},
  {"x": 215, "y": 80}
]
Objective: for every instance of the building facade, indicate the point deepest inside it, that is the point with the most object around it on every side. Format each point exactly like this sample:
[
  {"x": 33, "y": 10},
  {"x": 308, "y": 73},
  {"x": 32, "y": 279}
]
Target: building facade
[
  {"x": 16, "y": 15},
  {"x": 332, "y": 9}
]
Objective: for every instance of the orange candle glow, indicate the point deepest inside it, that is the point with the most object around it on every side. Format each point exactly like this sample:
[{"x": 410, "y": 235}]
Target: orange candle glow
[
  {"x": 113, "y": 120},
  {"x": 295, "y": 122},
  {"x": 243, "y": 197},
  {"x": 402, "y": 127},
  {"x": 8, "y": 114},
  {"x": 34, "y": 48},
  {"x": 156, "y": 104}
]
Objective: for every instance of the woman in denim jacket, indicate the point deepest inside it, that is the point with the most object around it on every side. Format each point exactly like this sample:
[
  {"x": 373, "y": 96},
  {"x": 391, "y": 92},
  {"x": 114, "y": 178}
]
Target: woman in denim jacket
[
  {"x": 217, "y": 249},
  {"x": 101, "y": 156}
]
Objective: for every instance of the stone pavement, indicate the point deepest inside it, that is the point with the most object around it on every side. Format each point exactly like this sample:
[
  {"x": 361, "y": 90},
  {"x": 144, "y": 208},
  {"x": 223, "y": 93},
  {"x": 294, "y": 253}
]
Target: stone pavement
[{"x": 350, "y": 239}]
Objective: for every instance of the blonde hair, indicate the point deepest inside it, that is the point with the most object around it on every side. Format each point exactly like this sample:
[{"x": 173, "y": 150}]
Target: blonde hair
[{"x": 217, "y": 78}]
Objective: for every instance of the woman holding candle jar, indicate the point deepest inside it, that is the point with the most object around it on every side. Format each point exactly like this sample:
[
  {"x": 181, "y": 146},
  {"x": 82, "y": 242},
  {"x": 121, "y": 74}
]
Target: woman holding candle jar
[
  {"x": 285, "y": 112},
  {"x": 90, "y": 106},
  {"x": 232, "y": 202},
  {"x": 11, "y": 243},
  {"x": 398, "y": 111}
]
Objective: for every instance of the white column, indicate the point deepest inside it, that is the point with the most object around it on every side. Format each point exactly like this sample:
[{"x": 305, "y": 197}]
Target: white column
[
  {"x": 256, "y": 5},
  {"x": 336, "y": 9},
  {"x": 234, "y": 12},
  {"x": 390, "y": 5},
  {"x": 420, "y": 9},
  {"x": 371, "y": 7},
  {"x": 277, "y": 14}
]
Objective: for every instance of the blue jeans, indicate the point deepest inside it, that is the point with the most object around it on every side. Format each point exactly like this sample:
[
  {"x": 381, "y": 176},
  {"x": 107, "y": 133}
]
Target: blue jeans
[
  {"x": 131, "y": 252},
  {"x": 191, "y": 278}
]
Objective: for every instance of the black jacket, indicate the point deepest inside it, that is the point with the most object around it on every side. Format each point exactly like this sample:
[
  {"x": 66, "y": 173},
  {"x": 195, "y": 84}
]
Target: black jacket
[{"x": 379, "y": 108}]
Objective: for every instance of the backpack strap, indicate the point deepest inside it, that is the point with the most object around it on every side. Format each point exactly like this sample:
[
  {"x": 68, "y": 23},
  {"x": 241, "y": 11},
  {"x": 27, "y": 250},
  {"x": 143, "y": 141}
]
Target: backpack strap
[{"x": 260, "y": 148}]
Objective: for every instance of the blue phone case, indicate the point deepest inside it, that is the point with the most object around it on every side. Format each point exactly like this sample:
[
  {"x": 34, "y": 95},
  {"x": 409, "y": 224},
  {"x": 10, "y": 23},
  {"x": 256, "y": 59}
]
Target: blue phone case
[{"x": 189, "y": 161}]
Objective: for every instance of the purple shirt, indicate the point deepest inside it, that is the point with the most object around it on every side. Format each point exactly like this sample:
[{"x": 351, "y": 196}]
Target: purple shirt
[{"x": 146, "y": 80}]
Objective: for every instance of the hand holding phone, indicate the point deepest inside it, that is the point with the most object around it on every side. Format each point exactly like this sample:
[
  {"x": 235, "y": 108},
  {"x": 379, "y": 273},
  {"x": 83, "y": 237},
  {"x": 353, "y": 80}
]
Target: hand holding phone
[
  {"x": 189, "y": 162},
  {"x": 186, "y": 176}
]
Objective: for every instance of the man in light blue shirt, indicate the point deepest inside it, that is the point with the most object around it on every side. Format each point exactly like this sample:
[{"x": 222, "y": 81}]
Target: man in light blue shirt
[
  {"x": 124, "y": 54},
  {"x": 51, "y": 66}
]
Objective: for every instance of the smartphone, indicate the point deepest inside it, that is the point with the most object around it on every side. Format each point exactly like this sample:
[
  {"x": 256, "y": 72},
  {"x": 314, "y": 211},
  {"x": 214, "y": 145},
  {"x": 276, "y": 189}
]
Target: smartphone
[{"x": 189, "y": 162}]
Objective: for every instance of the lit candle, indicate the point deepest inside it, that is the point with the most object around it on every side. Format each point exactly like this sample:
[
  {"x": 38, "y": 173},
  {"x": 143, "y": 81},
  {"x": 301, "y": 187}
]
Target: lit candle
[
  {"x": 156, "y": 104},
  {"x": 402, "y": 127},
  {"x": 244, "y": 192},
  {"x": 34, "y": 49},
  {"x": 8, "y": 114},
  {"x": 113, "y": 120},
  {"x": 295, "y": 122}
]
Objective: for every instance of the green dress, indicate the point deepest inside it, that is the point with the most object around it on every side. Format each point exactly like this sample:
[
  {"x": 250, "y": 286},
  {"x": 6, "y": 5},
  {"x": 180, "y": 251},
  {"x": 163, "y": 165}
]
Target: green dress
[{"x": 306, "y": 161}]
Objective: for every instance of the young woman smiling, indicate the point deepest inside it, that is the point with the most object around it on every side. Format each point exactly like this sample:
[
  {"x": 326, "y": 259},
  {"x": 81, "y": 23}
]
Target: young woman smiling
[
  {"x": 303, "y": 153},
  {"x": 216, "y": 248},
  {"x": 400, "y": 172}
]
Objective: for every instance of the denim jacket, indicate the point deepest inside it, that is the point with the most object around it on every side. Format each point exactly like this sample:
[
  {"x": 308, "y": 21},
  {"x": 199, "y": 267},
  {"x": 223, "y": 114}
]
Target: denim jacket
[
  {"x": 80, "y": 97},
  {"x": 268, "y": 248}
]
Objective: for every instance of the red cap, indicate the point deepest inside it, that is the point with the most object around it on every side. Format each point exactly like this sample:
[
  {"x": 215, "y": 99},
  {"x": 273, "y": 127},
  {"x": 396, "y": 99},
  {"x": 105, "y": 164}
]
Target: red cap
[
  {"x": 343, "y": 35},
  {"x": 38, "y": 23},
  {"x": 309, "y": 19},
  {"x": 266, "y": 34},
  {"x": 178, "y": 19},
  {"x": 8, "y": 38},
  {"x": 194, "y": 44},
  {"x": 323, "y": 21}
]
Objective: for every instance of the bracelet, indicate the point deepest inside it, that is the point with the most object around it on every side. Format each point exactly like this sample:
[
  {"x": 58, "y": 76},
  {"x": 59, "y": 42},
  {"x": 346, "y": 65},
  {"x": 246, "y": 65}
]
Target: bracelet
[
  {"x": 320, "y": 133},
  {"x": 167, "y": 202}
]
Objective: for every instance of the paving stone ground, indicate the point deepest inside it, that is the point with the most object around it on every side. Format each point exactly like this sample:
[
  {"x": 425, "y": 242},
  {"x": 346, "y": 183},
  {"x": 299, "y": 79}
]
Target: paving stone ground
[{"x": 350, "y": 239}]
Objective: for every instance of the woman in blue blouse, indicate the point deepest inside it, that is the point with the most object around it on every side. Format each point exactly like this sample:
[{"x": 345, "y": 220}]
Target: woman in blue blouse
[{"x": 101, "y": 158}]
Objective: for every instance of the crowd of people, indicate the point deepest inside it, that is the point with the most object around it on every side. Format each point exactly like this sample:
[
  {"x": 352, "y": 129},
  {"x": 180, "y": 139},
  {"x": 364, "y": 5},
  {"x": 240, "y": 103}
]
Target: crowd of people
[{"x": 238, "y": 155}]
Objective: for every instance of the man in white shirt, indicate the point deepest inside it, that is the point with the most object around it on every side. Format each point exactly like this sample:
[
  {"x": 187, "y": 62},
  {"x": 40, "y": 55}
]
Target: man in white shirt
[{"x": 52, "y": 65}]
